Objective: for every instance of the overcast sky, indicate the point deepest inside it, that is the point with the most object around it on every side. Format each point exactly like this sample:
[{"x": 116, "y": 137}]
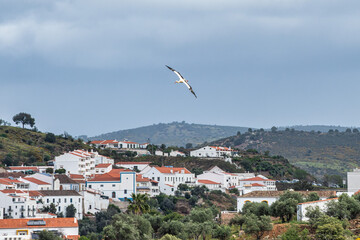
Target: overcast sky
[{"x": 90, "y": 67}]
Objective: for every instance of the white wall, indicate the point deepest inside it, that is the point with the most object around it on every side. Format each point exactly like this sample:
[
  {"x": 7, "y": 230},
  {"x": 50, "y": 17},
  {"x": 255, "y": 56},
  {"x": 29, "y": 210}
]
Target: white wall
[{"x": 353, "y": 179}]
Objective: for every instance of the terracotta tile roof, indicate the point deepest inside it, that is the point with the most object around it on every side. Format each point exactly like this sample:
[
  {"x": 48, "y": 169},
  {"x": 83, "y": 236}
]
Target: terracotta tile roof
[
  {"x": 113, "y": 175},
  {"x": 130, "y": 142},
  {"x": 72, "y": 237},
  {"x": 133, "y": 163},
  {"x": 12, "y": 191},
  {"x": 23, "y": 168},
  {"x": 175, "y": 170},
  {"x": 76, "y": 176},
  {"x": 5, "y": 181},
  {"x": 221, "y": 148},
  {"x": 103, "y": 165},
  {"x": 12, "y": 174},
  {"x": 255, "y": 179},
  {"x": 36, "y": 181},
  {"x": 278, "y": 193},
  {"x": 49, "y": 223},
  {"x": 203, "y": 181},
  {"x": 169, "y": 185},
  {"x": 324, "y": 200},
  {"x": 257, "y": 185},
  {"x": 140, "y": 178},
  {"x": 34, "y": 193},
  {"x": 96, "y": 142}
]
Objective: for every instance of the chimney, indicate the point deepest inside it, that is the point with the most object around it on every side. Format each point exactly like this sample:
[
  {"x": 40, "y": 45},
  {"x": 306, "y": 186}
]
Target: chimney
[{"x": 171, "y": 170}]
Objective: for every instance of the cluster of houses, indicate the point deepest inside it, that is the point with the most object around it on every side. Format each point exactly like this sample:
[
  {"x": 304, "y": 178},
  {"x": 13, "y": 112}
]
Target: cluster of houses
[
  {"x": 140, "y": 148},
  {"x": 90, "y": 182}
]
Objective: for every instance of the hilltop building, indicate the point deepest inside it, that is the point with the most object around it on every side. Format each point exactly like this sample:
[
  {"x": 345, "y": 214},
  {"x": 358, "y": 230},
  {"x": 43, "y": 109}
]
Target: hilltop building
[{"x": 213, "y": 152}]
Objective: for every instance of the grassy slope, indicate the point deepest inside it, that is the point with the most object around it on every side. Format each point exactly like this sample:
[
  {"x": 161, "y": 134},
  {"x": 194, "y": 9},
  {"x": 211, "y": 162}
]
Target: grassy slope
[
  {"x": 317, "y": 153},
  {"x": 28, "y": 147}
]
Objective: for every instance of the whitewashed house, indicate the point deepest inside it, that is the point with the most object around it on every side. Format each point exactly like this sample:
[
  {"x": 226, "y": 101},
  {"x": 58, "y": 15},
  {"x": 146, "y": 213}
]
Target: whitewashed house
[
  {"x": 270, "y": 197},
  {"x": 176, "y": 154},
  {"x": 80, "y": 162},
  {"x": 226, "y": 180},
  {"x": 212, "y": 152},
  {"x": 17, "y": 204},
  {"x": 353, "y": 180},
  {"x": 62, "y": 199},
  {"x": 169, "y": 177},
  {"x": 103, "y": 168},
  {"x": 64, "y": 182},
  {"x": 147, "y": 186},
  {"x": 256, "y": 184},
  {"x": 26, "y": 229},
  {"x": 303, "y": 208},
  {"x": 117, "y": 184},
  {"x": 36, "y": 184},
  {"x": 94, "y": 201},
  {"x": 211, "y": 185}
]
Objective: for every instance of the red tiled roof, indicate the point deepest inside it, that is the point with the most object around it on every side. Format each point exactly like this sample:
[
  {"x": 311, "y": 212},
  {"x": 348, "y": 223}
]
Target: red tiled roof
[
  {"x": 5, "y": 181},
  {"x": 34, "y": 193},
  {"x": 140, "y": 178},
  {"x": 76, "y": 176},
  {"x": 76, "y": 154},
  {"x": 131, "y": 142},
  {"x": 257, "y": 185},
  {"x": 324, "y": 200},
  {"x": 103, "y": 165},
  {"x": 12, "y": 191},
  {"x": 255, "y": 179},
  {"x": 275, "y": 194},
  {"x": 175, "y": 170},
  {"x": 72, "y": 237},
  {"x": 113, "y": 175},
  {"x": 96, "y": 142},
  {"x": 23, "y": 168},
  {"x": 36, "y": 181},
  {"x": 203, "y": 181},
  {"x": 50, "y": 223}
]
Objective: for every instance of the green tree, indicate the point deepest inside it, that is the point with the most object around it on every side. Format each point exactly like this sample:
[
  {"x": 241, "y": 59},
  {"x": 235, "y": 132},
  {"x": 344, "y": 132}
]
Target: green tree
[
  {"x": 138, "y": 204},
  {"x": 257, "y": 225},
  {"x": 188, "y": 145},
  {"x": 345, "y": 208},
  {"x": 50, "y": 137},
  {"x": 295, "y": 233},
  {"x": 259, "y": 209},
  {"x": 70, "y": 211},
  {"x": 222, "y": 232},
  {"x": 169, "y": 237},
  {"x": 60, "y": 171},
  {"x": 49, "y": 170},
  {"x": 51, "y": 208},
  {"x": 175, "y": 228},
  {"x": 47, "y": 235},
  {"x": 286, "y": 206},
  {"x": 312, "y": 197},
  {"x": 130, "y": 227},
  {"x": 24, "y": 119},
  {"x": 201, "y": 215},
  {"x": 273, "y": 129}
]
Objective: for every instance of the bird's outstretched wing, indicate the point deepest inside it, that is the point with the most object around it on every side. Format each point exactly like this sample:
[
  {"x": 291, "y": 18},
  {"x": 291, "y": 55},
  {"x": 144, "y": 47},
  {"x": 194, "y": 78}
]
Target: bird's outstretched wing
[
  {"x": 190, "y": 88},
  {"x": 176, "y": 72}
]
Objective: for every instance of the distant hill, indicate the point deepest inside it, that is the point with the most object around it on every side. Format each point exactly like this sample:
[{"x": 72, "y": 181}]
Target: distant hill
[
  {"x": 173, "y": 134},
  {"x": 181, "y": 133},
  {"x": 23, "y": 146},
  {"x": 318, "y": 153}
]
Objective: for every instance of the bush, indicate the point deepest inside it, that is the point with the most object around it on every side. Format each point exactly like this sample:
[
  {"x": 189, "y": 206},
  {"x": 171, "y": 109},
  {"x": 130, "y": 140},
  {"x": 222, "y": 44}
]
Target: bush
[{"x": 50, "y": 137}]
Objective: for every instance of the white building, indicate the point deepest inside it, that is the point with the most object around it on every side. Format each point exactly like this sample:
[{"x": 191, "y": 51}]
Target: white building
[
  {"x": 118, "y": 144},
  {"x": 303, "y": 208},
  {"x": 211, "y": 185},
  {"x": 36, "y": 184},
  {"x": 17, "y": 204},
  {"x": 225, "y": 179},
  {"x": 135, "y": 166},
  {"x": 257, "y": 183},
  {"x": 147, "y": 186},
  {"x": 212, "y": 152},
  {"x": 64, "y": 182},
  {"x": 24, "y": 229},
  {"x": 270, "y": 197},
  {"x": 80, "y": 162},
  {"x": 353, "y": 180},
  {"x": 117, "y": 184},
  {"x": 176, "y": 154},
  {"x": 94, "y": 201},
  {"x": 103, "y": 168},
  {"x": 170, "y": 177},
  {"x": 62, "y": 199}
]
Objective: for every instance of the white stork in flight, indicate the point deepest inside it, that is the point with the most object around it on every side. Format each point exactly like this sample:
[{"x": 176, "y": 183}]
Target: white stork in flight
[{"x": 182, "y": 80}]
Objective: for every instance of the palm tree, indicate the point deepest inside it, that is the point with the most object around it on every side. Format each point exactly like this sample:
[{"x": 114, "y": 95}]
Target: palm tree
[{"x": 138, "y": 204}]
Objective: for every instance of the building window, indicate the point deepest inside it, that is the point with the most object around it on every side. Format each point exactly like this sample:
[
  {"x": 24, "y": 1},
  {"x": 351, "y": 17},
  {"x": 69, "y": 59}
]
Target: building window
[
  {"x": 53, "y": 200},
  {"x": 59, "y": 208},
  {"x": 158, "y": 179},
  {"x": 113, "y": 194},
  {"x": 59, "y": 200},
  {"x": 265, "y": 201},
  {"x": 71, "y": 200},
  {"x": 89, "y": 186},
  {"x": 65, "y": 200},
  {"x": 47, "y": 200},
  {"x": 113, "y": 185},
  {"x": 89, "y": 207},
  {"x": 247, "y": 201},
  {"x": 102, "y": 185},
  {"x": 125, "y": 191}
]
